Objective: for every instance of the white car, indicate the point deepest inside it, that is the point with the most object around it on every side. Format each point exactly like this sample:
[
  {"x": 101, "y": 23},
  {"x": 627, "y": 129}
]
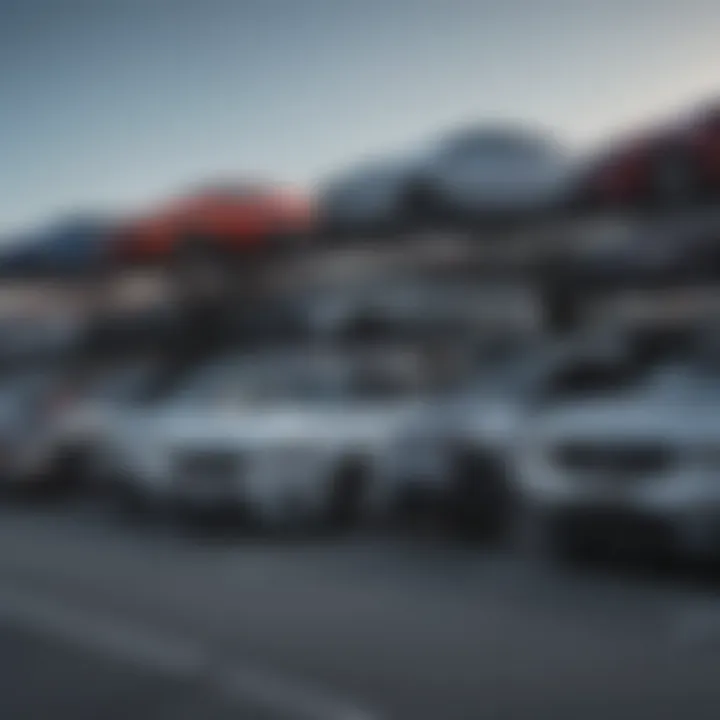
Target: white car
[
  {"x": 81, "y": 427},
  {"x": 300, "y": 437},
  {"x": 456, "y": 459},
  {"x": 491, "y": 170},
  {"x": 460, "y": 456},
  {"x": 633, "y": 465}
]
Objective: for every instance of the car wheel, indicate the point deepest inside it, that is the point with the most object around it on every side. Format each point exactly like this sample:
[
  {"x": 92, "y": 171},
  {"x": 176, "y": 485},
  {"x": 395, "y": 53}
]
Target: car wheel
[
  {"x": 66, "y": 475},
  {"x": 345, "y": 498},
  {"x": 127, "y": 500},
  {"x": 415, "y": 507},
  {"x": 567, "y": 543}
]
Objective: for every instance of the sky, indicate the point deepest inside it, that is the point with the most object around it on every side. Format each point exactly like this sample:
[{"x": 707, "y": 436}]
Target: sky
[{"x": 111, "y": 105}]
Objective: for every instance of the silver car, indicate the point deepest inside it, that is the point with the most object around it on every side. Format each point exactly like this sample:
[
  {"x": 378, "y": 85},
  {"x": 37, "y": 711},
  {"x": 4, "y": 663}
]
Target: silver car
[
  {"x": 631, "y": 465},
  {"x": 300, "y": 437}
]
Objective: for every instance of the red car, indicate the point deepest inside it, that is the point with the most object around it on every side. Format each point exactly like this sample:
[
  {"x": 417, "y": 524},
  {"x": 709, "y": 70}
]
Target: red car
[
  {"x": 703, "y": 138},
  {"x": 626, "y": 176},
  {"x": 674, "y": 165},
  {"x": 226, "y": 219}
]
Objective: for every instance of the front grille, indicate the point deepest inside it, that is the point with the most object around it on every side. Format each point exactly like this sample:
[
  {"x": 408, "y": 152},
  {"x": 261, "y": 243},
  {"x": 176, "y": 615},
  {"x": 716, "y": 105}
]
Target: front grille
[{"x": 626, "y": 460}]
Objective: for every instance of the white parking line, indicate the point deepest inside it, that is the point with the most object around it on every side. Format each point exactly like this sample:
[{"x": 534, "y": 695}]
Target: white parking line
[{"x": 175, "y": 656}]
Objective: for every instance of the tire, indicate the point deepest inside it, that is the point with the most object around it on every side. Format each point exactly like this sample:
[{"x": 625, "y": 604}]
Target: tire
[
  {"x": 55, "y": 483},
  {"x": 568, "y": 544},
  {"x": 67, "y": 475},
  {"x": 345, "y": 498},
  {"x": 415, "y": 507},
  {"x": 127, "y": 501}
]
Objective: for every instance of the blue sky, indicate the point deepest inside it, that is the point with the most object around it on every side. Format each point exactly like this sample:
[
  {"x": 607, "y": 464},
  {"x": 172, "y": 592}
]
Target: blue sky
[{"x": 111, "y": 104}]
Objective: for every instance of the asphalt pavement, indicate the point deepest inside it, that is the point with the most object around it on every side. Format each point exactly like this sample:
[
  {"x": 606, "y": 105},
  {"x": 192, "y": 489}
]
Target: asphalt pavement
[
  {"x": 102, "y": 619},
  {"x": 45, "y": 677}
]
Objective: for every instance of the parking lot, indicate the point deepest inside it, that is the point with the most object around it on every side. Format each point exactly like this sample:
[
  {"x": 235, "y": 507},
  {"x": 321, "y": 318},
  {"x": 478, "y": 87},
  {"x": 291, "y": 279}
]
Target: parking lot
[
  {"x": 169, "y": 624},
  {"x": 359, "y": 363}
]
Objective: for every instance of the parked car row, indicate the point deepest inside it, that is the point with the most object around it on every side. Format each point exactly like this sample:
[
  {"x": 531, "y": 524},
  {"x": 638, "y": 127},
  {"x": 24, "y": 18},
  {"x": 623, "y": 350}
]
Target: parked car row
[
  {"x": 476, "y": 176},
  {"x": 600, "y": 442}
]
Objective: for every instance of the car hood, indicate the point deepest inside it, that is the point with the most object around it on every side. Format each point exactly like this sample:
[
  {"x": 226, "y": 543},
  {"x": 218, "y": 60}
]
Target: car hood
[
  {"x": 685, "y": 422},
  {"x": 374, "y": 423},
  {"x": 491, "y": 419}
]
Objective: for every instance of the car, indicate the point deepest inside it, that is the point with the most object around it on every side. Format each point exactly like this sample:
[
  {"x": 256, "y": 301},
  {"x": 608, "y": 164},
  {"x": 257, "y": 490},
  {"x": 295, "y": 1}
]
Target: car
[
  {"x": 284, "y": 439},
  {"x": 627, "y": 462},
  {"x": 73, "y": 247},
  {"x": 488, "y": 172},
  {"x": 213, "y": 223},
  {"x": 456, "y": 462},
  {"x": 75, "y": 448},
  {"x": 623, "y": 175},
  {"x": 670, "y": 165},
  {"x": 452, "y": 462}
]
